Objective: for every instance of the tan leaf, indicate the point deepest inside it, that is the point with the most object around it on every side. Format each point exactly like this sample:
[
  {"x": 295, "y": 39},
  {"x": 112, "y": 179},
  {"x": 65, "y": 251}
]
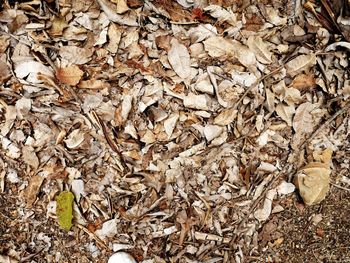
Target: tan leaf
[
  {"x": 114, "y": 35},
  {"x": 300, "y": 64},
  {"x": 313, "y": 180},
  {"x": 122, "y": 7},
  {"x": 260, "y": 48},
  {"x": 5, "y": 72},
  {"x": 225, "y": 117},
  {"x": 179, "y": 59},
  {"x": 58, "y": 25},
  {"x": 244, "y": 55},
  {"x": 111, "y": 10},
  {"x": 70, "y": 75},
  {"x": 93, "y": 84},
  {"x": 218, "y": 46}
]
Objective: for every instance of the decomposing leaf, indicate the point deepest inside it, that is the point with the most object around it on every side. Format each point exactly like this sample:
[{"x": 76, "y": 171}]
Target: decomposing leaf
[
  {"x": 313, "y": 180},
  {"x": 64, "y": 209},
  {"x": 114, "y": 35},
  {"x": 300, "y": 63},
  {"x": 179, "y": 59},
  {"x": 70, "y": 75}
]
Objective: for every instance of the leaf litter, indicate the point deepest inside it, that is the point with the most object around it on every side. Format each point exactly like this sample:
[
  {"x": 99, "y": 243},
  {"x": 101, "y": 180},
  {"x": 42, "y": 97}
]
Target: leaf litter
[{"x": 177, "y": 128}]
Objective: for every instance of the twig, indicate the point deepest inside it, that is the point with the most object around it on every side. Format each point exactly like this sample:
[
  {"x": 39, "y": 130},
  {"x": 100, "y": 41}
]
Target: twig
[
  {"x": 340, "y": 187},
  {"x": 184, "y": 23}
]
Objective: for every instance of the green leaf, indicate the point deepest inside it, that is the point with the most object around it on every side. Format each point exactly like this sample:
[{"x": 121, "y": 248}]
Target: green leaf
[{"x": 65, "y": 209}]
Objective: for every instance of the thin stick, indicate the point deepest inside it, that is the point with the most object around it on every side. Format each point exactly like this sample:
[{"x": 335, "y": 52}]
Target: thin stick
[{"x": 341, "y": 187}]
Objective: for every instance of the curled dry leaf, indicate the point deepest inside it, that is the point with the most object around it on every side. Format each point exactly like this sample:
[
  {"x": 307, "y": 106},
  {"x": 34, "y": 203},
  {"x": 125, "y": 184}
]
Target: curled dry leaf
[
  {"x": 313, "y": 180},
  {"x": 300, "y": 64},
  {"x": 70, "y": 75},
  {"x": 75, "y": 138},
  {"x": 179, "y": 59}
]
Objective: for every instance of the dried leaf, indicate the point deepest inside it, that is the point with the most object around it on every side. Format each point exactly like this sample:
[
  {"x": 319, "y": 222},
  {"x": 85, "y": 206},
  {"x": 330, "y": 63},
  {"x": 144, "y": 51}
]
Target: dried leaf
[
  {"x": 33, "y": 189},
  {"x": 302, "y": 122},
  {"x": 70, "y": 75},
  {"x": 30, "y": 70},
  {"x": 58, "y": 25},
  {"x": 300, "y": 64},
  {"x": 244, "y": 55},
  {"x": 260, "y": 48},
  {"x": 313, "y": 180},
  {"x": 75, "y": 55},
  {"x": 64, "y": 209},
  {"x": 218, "y": 46},
  {"x": 179, "y": 59},
  {"x": 94, "y": 84},
  {"x": 285, "y": 112},
  {"x": 112, "y": 14},
  {"x": 304, "y": 82}
]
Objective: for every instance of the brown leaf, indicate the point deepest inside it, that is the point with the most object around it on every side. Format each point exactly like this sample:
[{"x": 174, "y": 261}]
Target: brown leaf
[
  {"x": 70, "y": 75},
  {"x": 33, "y": 189},
  {"x": 304, "y": 82}
]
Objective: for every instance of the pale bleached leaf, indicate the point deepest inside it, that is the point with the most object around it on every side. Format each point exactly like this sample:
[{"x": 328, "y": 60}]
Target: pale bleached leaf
[
  {"x": 30, "y": 70},
  {"x": 222, "y": 14},
  {"x": 285, "y": 112},
  {"x": 302, "y": 122},
  {"x": 179, "y": 59}
]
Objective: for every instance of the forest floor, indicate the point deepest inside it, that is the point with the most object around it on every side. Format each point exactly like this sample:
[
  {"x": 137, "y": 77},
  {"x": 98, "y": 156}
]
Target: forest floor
[{"x": 186, "y": 131}]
